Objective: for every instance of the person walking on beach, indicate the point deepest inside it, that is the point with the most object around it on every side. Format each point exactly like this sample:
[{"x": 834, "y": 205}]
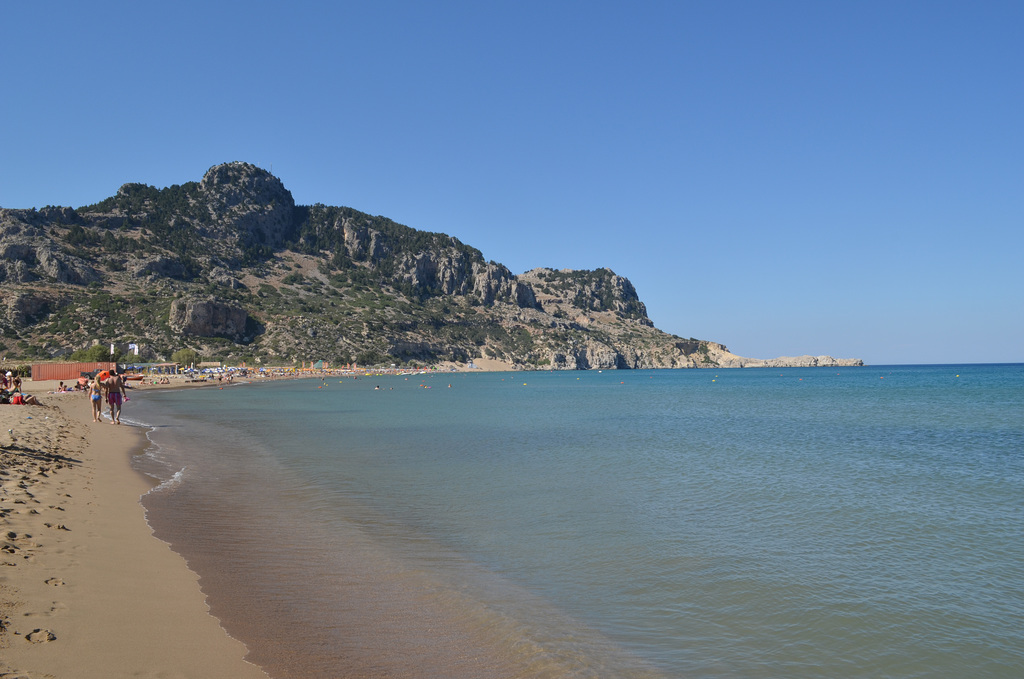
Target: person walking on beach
[
  {"x": 115, "y": 394},
  {"x": 95, "y": 396}
]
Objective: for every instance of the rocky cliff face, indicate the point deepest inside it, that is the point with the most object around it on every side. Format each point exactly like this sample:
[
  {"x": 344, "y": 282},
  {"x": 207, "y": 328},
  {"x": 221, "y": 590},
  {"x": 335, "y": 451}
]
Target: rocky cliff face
[
  {"x": 208, "y": 318},
  {"x": 581, "y": 292},
  {"x": 230, "y": 266},
  {"x": 24, "y": 308},
  {"x": 417, "y": 263},
  {"x": 495, "y": 283},
  {"x": 247, "y": 204},
  {"x": 27, "y": 255}
]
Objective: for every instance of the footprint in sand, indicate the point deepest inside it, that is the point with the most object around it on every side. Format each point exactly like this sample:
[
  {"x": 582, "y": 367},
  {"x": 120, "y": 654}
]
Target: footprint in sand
[
  {"x": 15, "y": 550},
  {"x": 40, "y": 636},
  {"x": 55, "y": 582},
  {"x": 24, "y": 538}
]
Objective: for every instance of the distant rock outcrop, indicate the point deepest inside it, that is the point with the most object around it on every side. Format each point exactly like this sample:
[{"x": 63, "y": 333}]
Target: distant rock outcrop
[
  {"x": 495, "y": 283},
  {"x": 787, "y": 362},
  {"x": 26, "y": 254},
  {"x": 600, "y": 290},
  {"x": 160, "y": 266},
  {"x": 208, "y": 318},
  {"x": 248, "y": 204},
  {"x": 23, "y": 308}
]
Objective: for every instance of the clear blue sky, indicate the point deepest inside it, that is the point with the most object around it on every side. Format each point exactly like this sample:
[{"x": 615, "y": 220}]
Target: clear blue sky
[{"x": 782, "y": 177}]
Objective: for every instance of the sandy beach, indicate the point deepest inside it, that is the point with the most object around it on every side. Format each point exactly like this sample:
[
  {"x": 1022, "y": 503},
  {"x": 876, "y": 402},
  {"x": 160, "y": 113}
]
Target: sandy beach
[{"x": 86, "y": 590}]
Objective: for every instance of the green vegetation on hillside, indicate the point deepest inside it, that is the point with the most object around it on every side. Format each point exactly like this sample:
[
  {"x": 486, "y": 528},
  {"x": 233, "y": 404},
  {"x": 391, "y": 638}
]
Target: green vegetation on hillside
[{"x": 312, "y": 283}]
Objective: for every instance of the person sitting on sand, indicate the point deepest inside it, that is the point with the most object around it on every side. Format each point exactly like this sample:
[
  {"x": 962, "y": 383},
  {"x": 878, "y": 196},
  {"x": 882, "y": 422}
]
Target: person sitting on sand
[
  {"x": 95, "y": 396},
  {"x": 19, "y": 398},
  {"x": 114, "y": 386}
]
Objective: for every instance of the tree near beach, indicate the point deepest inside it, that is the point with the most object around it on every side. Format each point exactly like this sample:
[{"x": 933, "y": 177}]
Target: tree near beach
[
  {"x": 185, "y": 357},
  {"x": 95, "y": 354}
]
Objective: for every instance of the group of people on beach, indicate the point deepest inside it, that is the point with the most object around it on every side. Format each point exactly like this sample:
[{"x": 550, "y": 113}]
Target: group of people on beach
[
  {"x": 106, "y": 387},
  {"x": 109, "y": 387},
  {"x": 10, "y": 391}
]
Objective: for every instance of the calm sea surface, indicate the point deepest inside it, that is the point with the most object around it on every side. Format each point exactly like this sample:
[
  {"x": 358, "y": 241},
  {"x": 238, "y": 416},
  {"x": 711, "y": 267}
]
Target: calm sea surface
[{"x": 852, "y": 522}]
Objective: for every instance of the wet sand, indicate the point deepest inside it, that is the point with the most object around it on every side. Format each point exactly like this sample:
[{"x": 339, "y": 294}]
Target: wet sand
[{"x": 86, "y": 590}]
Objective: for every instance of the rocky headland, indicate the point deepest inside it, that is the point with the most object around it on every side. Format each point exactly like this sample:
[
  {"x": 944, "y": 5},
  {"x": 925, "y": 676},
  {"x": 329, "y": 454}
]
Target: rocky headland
[{"x": 232, "y": 268}]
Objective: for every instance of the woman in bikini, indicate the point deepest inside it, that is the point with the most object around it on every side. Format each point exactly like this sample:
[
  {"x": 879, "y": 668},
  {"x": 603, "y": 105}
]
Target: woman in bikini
[{"x": 94, "y": 397}]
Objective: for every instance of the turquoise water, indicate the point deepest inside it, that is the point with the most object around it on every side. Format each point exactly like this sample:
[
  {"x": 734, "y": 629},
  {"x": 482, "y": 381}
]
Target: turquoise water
[{"x": 854, "y": 522}]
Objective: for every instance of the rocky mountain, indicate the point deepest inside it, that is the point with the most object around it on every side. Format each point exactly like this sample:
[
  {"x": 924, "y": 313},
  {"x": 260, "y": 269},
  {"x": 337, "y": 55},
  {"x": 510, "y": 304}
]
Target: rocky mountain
[{"x": 230, "y": 266}]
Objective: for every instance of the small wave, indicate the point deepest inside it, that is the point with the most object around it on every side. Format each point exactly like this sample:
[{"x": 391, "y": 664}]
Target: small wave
[{"x": 170, "y": 483}]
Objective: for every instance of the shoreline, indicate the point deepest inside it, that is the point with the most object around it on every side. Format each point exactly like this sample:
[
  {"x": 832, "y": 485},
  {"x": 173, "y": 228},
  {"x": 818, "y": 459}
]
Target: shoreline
[{"x": 86, "y": 589}]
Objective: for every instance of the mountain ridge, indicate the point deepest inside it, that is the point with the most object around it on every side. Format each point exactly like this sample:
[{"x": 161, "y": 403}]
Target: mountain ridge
[{"x": 231, "y": 267}]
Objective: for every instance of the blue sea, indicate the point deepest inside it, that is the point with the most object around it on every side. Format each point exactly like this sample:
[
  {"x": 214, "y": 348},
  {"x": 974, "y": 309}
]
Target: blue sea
[{"x": 816, "y": 522}]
